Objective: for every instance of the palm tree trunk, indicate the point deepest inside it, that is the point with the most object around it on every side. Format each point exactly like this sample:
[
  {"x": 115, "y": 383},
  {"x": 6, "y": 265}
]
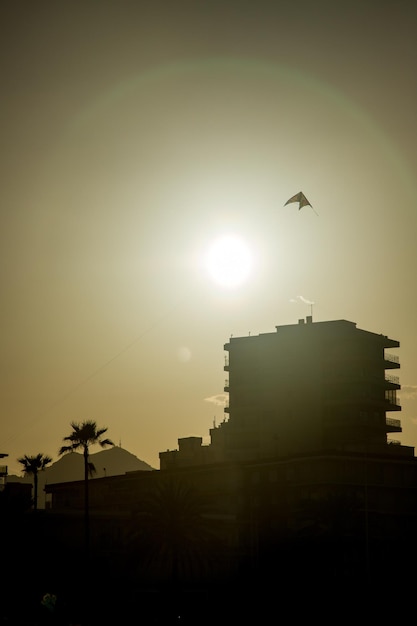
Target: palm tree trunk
[
  {"x": 86, "y": 510},
  {"x": 35, "y": 491}
]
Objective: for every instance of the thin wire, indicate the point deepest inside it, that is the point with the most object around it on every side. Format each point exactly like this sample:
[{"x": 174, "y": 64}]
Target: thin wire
[{"x": 69, "y": 393}]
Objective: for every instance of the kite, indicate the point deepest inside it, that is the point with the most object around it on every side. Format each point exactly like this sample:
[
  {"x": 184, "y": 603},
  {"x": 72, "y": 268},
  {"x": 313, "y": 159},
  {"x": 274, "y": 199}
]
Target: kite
[{"x": 301, "y": 199}]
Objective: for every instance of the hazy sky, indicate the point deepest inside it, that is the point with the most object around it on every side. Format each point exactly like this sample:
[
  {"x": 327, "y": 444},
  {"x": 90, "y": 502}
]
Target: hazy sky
[{"x": 133, "y": 134}]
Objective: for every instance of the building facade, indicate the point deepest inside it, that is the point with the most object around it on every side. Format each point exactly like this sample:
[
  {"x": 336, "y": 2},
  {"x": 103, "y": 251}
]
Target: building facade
[{"x": 306, "y": 388}]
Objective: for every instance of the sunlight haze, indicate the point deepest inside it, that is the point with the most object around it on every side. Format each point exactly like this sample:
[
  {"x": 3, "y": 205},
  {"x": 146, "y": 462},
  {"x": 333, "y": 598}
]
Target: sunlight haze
[{"x": 134, "y": 137}]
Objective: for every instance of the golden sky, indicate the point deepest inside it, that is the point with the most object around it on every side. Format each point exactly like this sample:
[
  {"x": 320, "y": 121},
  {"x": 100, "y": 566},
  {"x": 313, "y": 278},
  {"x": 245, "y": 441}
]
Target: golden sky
[{"x": 133, "y": 135}]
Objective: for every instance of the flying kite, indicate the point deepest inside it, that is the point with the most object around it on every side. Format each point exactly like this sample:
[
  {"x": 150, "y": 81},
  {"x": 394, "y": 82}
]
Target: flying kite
[{"x": 301, "y": 199}]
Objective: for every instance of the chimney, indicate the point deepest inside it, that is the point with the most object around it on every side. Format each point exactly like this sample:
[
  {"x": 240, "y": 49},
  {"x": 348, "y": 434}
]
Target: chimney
[
  {"x": 309, "y": 319},
  {"x": 301, "y": 321}
]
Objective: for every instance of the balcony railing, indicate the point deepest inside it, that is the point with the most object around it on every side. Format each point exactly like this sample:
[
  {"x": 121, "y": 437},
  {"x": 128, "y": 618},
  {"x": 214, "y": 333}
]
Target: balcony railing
[
  {"x": 392, "y": 379},
  {"x": 393, "y": 422},
  {"x": 392, "y": 358},
  {"x": 391, "y": 397}
]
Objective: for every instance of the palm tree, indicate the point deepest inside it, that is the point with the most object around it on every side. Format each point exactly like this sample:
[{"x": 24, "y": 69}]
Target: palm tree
[
  {"x": 173, "y": 540},
  {"x": 84, "y": 435},
  {"x": 32, "y": 465}
]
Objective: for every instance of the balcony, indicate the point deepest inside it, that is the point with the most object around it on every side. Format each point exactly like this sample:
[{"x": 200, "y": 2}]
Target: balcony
[
  {"x": 393, "y": 425},
  {"x": 391, "y": 361},
  {"x": 226, "y": 363},
  {"x": 392, "y": 403},
  {"x": 392, "y": 383},
  {"x": 226, "y": 385}
]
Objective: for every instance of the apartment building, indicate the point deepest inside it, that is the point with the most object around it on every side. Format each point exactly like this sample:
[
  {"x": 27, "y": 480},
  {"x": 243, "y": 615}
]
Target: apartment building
[{"x": 310, "y": 387}]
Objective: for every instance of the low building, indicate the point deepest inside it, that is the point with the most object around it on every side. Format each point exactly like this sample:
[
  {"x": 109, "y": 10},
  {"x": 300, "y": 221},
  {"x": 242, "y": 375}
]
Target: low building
[{"x": 3, "y": 472}]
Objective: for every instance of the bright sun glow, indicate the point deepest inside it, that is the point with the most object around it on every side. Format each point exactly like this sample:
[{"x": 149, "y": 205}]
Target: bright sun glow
[{"x": 229, "y": 261}]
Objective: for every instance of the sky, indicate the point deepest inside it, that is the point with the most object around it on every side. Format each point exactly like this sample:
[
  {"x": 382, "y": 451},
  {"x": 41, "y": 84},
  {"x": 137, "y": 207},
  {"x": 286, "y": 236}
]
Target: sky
[{"x": 134, "y": 135}]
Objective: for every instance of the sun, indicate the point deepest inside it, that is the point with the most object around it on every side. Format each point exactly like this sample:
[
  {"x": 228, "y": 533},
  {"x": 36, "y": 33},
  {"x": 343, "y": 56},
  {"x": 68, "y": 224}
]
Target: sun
[{"x": 229, "y": 261}]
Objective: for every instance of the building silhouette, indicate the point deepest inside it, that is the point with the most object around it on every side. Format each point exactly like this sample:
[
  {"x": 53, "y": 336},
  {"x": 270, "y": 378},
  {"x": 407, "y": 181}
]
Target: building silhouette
[
  {"x": 3, "y": 472},
  {"x": 301, "y": 489},
  {"x": 307, "y": 388}
]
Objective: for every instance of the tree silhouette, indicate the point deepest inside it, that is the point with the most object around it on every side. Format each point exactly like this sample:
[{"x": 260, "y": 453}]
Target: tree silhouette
[
  {"x": 32, "y": 465},
  {"x": 83, "y": 436},
  {"x": 173, "y": 539}
]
